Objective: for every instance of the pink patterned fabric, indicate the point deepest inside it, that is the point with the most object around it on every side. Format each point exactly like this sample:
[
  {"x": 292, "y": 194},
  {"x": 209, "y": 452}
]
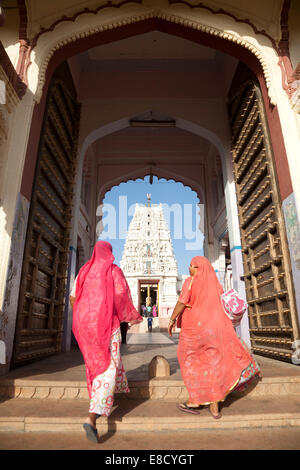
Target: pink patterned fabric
[
  {"x": 103, "y": 300},
  {"x": 113, "y": 380},
  {"x": 234, "y": 306}
]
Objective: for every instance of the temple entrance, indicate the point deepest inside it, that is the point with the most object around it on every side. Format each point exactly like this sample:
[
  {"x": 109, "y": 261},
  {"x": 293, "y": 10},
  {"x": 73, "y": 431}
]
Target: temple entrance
[
  {"x": 273, "y": 317},
  {"x": 149, "y": 298}
]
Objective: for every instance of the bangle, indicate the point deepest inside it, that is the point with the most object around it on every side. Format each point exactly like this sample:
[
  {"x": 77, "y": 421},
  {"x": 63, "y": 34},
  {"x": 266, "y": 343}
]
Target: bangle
[{"x": 172, "y": 321}]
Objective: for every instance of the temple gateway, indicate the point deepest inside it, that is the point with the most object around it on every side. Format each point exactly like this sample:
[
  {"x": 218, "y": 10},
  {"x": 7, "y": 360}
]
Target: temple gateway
[{"x": 94, "y": 93}]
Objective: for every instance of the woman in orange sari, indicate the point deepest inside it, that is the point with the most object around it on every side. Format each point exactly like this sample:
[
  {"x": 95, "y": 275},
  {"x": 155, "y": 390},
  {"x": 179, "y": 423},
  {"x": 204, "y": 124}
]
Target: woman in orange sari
[{"x": 213, "y": 361}]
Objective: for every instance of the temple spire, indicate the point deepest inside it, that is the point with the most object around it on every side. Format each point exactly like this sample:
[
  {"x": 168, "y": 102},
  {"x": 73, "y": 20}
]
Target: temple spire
[{"x": 148, "y": 258}]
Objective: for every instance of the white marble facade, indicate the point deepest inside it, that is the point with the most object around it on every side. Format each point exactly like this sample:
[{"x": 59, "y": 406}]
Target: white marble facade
[{"x": 148, "y": 255}]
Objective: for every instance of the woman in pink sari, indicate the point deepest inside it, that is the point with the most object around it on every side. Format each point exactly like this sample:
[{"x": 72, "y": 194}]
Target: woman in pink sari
[
  {"x": 213, "y": 361},
  {"x": 101, "y": 300}
]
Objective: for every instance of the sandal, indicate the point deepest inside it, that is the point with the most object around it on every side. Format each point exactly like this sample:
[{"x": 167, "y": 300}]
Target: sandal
[
  {"x": 188, "y": 409},
  {"x": 91, "y": 433}
]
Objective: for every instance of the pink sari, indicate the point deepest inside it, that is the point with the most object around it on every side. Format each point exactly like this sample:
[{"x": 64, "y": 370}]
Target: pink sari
[
  {"x": 103, "y": 300},
  {"x": 213, "y": 361}
]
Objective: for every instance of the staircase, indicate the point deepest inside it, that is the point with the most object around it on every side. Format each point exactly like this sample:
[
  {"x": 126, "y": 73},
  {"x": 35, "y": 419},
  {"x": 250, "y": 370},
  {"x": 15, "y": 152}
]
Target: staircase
[{"x": 51, "y": 395}]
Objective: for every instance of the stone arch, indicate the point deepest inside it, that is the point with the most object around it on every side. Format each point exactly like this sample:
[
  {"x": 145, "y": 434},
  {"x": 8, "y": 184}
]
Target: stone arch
[
  {"x": 184, "y": 124},
  {"x": 219, "y": 145},
  {"x": 178, "y": 25},
  {"x": 161, "y": 173},
  {"x": 222, "y": 146},
  {"x": 70, "y": 36},
  {"x": 88, "y": 28}
]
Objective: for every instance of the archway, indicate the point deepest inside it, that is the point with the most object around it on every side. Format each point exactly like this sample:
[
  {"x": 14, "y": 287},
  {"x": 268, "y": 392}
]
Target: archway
[
  {"x": 153, "y": 229},
  {"x": 133, "y": 26},
  {"x": 196, "y": 175},
  {"x": 138, "y": 28}
]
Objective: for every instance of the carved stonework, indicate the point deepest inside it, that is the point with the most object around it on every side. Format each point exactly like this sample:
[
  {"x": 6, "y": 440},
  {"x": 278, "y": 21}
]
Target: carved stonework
[
  {"x": 9, "y": 100},
  {"x": 148, "y": 248},
  {"x": 10, "y": 303},
  {"x": 3, "y": 124},
  {"x": 7, "y": 70},
  {"x": 295, "y": 90},
  {"x": 148, "y": 254}
]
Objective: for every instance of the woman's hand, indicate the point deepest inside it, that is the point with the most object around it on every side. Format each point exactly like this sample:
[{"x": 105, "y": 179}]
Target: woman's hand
[
  {"x": 136, "y": 321},
  {"x": 72, "y": 300},
  {"x": 171, "y": 327},
  {"x": 179, "y": 308}
]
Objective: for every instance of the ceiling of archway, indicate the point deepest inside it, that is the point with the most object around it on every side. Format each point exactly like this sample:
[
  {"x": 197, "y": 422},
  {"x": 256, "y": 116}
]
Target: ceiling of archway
[
  {"x": 161, "y": 146},
  {"x": 153, "y": 45},
  {"x": 175, "y": 69},
  {"x": 169, "y": 152},
  {"x": 157, "y": 64}
]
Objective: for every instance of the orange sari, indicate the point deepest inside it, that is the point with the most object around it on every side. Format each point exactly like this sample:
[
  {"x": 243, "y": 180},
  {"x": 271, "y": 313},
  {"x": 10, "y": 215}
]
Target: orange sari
[{"x": 212, "y": 359}]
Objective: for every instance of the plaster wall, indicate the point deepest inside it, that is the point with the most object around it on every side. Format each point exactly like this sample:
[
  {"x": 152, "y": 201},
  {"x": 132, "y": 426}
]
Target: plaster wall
[
  {"x": 208, "y": 114},
  {"x": 166, "y": 82},
  {"x": 294, "y": 32},
  {"x": 10, "y": 34},
  {"x": 19, "y": 126},
  {"x": 168, "y": 141}
]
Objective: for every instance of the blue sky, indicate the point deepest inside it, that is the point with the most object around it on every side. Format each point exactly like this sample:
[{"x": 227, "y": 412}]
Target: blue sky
[{"x": 180, "y": 209}]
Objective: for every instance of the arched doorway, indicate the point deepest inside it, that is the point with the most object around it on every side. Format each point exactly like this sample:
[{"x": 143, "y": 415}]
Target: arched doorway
[{"x": 270, "y": 333}]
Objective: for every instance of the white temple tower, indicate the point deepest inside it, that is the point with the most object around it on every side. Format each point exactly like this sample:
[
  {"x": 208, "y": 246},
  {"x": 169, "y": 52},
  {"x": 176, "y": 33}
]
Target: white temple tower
[{"x": 148, "y": 261}]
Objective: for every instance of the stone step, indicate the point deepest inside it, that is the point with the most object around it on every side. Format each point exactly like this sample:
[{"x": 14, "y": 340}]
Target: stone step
[
  {"x": 147, "y": 415},
  {"x": 156, "y": 388}
]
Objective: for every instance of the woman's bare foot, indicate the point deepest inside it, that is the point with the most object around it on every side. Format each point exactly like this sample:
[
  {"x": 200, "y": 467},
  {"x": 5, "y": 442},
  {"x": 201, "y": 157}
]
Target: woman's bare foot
[
  {"x": 90, "y": 428},
  {"x": 91, "y": 419},
  {"x": 192, "y": 405},
  {"x": 214, "y": 410}
]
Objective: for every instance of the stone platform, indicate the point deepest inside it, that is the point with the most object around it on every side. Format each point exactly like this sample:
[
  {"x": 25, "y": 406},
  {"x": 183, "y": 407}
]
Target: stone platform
[{"x": 51, "y": 395}]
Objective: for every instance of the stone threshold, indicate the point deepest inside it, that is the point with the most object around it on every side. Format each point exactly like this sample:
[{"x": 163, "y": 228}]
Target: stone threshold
[{"x": 137, "y": 416}]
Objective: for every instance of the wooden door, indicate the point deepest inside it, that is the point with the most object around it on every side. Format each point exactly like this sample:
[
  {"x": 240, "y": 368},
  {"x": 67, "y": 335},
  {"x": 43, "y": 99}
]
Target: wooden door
[
  {"x": 272, "y": 311},
  {"x": 39, "y": 326}
]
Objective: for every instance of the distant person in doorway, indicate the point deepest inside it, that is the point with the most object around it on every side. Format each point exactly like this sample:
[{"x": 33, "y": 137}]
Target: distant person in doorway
[
  {"x": 149, "y": 311},
  {"x": 144, "y": 310},
  {"x": 101, "y": 300},
  {"x": 124, "y": 328},
  {"x": 213, "y": 361},
  {"x": 150, "y": 321},
  {"x": 154, "y": 311},
  {"x": 228, "y": 278}
]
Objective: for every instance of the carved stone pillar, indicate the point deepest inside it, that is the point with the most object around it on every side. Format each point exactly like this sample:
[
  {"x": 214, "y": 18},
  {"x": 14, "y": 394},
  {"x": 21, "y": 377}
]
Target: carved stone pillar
[{"x": 8, "y": 102}]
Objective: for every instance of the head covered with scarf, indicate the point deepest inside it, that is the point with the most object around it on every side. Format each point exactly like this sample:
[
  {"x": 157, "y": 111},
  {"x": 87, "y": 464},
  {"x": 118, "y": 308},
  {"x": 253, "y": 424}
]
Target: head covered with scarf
[{"x": 206, "y": 288}]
